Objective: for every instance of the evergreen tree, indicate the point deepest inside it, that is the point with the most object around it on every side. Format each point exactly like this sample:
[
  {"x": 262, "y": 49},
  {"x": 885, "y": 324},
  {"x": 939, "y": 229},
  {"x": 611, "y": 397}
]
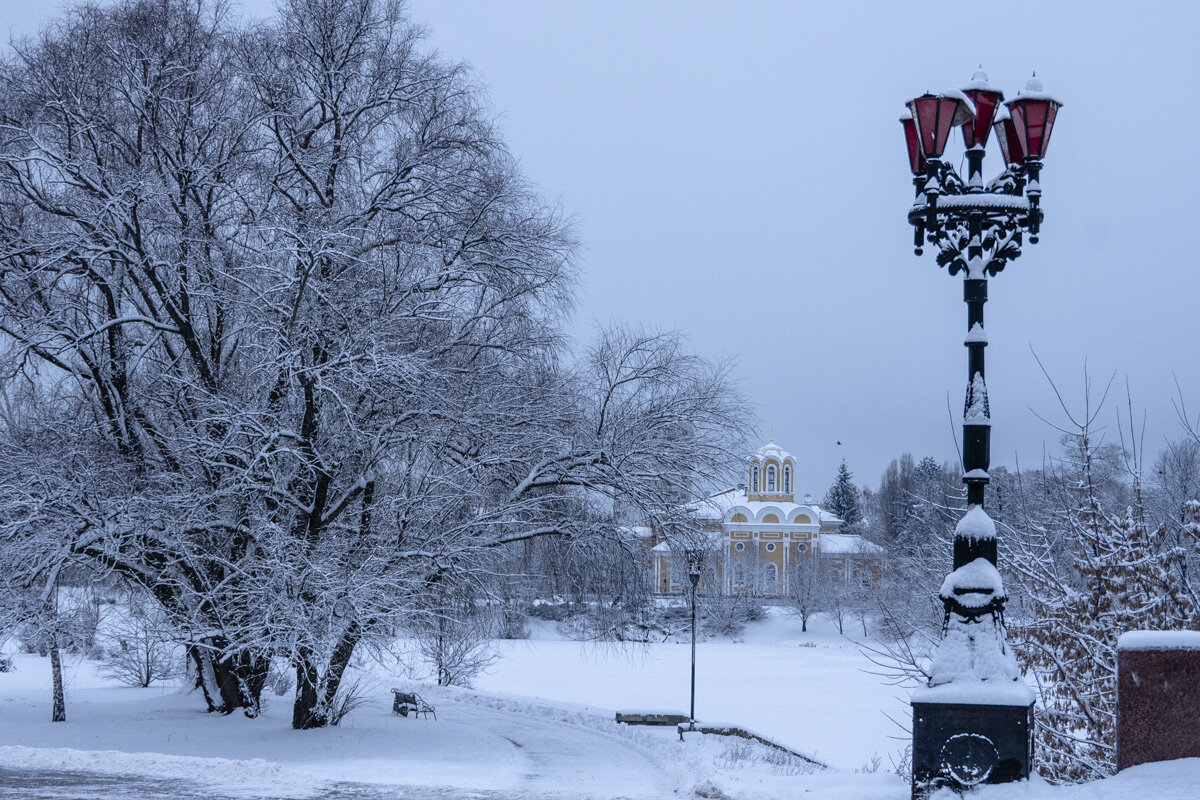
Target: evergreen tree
[
  {"x": 895, "y": 497},
  {"x": 842, "y": 497}
]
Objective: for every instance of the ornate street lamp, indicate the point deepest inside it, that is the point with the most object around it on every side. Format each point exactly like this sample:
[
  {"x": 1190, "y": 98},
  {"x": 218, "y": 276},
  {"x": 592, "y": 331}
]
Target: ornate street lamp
[
  {"x": 973, "y": 721},
  {"x": 694, "y": 559}
]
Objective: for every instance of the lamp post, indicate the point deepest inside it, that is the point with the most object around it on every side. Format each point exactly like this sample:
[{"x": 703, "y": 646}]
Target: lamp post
[
  {"x": 973, "y": 721},
  {"x": 694, "y": 559}
]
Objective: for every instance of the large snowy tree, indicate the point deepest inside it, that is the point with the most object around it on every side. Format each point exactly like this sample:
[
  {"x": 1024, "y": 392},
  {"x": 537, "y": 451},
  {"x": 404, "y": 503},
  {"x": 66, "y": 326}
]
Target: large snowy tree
[{"x": 296, "y": 311}]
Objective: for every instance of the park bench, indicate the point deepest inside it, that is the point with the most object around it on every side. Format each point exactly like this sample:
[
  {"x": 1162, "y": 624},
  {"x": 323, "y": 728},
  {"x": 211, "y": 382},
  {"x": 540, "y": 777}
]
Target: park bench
[{"x": 404, "y": 703}]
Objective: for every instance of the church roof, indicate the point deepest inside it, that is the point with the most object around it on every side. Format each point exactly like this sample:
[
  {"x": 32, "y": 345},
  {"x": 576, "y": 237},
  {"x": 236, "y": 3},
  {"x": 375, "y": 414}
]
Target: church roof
[
  {"x": 840, "y": 543},
  {"x": 771, "y": 450},
  {"x": 719, "y": 507}
]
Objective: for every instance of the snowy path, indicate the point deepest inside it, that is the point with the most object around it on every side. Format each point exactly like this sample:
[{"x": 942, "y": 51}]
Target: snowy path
[
  {"x": 560, "y": 758},
  {"x": 524, "y": 752}
]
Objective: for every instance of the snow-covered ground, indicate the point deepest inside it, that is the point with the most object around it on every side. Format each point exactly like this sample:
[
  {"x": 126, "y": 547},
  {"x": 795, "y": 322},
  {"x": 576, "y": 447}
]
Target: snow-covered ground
[
  {"x": 806, "y": 690},
  {"x": 538, "y": 725}
]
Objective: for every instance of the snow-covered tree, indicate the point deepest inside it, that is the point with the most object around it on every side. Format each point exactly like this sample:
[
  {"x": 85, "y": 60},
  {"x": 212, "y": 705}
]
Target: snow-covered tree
[
  {"x": 842, "y": 499},
  {"x": 1090, "y": 573},
  {"x": 808, "y": 584},
  {"x": 297, "y": 312}
]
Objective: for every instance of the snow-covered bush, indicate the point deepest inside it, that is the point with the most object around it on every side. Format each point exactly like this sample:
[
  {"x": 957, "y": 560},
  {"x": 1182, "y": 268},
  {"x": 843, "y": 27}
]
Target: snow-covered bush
[
  {"x": 454, "y": 637},
  {"x": 74, "y": 626},
  {"x": 143, "y": 648},
  {"x": 721, "y": 615},
  {"x": 550, "y": 612},
  {"x": 279, "y": 679}
]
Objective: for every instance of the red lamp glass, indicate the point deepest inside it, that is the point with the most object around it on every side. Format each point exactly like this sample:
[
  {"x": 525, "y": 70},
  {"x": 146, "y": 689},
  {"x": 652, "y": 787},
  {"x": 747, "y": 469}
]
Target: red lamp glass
[
  {"x": 1033, "y": 113},
  {"x": 986, "y": 100},
  {"x": 935, "y": 115},
  {"x": 1006, "y": 136},
  {"x": 916, "y": 159}
]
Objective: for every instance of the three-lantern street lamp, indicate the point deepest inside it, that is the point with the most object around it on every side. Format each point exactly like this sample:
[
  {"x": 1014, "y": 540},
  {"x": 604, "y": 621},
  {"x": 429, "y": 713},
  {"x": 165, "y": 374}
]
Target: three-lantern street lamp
[{"x": 973, "y": 721}]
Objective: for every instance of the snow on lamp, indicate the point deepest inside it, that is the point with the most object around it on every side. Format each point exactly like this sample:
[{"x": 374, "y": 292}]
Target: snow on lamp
[
  {"x": 1033, "y": 112},
  {"x": 986, "y": 101},
  {"x": 935, "y": 116},
  {"x": 975, "y": 131}
]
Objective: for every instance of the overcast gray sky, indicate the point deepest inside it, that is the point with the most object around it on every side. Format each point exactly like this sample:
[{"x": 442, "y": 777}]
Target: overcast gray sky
[{"x": 737, "y": 171}]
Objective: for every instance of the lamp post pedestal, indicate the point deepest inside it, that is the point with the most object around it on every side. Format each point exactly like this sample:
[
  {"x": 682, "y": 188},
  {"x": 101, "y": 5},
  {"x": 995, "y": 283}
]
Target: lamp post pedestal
[
  {"x": 964, "y": 744},
  {"x": 973, "y": 721}
]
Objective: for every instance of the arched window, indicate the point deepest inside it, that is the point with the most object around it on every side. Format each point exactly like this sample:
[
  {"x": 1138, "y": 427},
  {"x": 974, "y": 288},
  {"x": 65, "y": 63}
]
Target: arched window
[
  {"x": 771, "y": 478},
  {"x": 787, "y": 480},
  {"x": 771, "y": 577},
  {"x": 754, "y": 479}
]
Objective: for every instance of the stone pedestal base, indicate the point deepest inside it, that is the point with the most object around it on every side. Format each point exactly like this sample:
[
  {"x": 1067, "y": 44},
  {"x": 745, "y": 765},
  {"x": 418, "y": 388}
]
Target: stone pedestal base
[
  {"x": 963, "y": 745},
  {"x": 1158, "y": 696}
]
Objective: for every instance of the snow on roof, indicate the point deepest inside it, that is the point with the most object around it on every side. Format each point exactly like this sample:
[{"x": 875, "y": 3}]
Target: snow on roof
[
  {"x": 975, "y": 524},
  {"x": 712, "y": 540},
  {"x": 771, "y": 450},
  {"x": 715, "y": 506},
  {"x": 825, "y": 516},
  {"x": 1159, "y": 640},
  {"x": 721, "y": 506},
  {"x": 843, "y": 543}
]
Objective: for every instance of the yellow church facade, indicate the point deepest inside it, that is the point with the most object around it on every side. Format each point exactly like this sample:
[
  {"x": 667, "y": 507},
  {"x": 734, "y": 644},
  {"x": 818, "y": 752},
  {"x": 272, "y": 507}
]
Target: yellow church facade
[{"x": 759, "y": 536}]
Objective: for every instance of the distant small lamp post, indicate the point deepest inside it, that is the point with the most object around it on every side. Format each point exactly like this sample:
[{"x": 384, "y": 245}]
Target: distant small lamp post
[
  {"x": 973, "y": 722},
  {"x": 694, "y": 559}
]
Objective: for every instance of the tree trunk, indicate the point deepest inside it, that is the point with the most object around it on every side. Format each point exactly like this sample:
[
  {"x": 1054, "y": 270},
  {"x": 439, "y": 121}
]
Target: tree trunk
[
  {"x": 58, "y": 712},
  {"x": 314, "y": 703},
  {"x": 229, "y": 682},
  {"x": 305, "y": 712}
]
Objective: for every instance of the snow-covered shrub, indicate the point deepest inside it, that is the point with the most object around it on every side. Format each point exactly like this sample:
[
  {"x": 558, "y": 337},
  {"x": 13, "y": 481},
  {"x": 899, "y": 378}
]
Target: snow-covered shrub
[
  {"x": 75, "y": 628},
  {"x": 454, "y": 637},
  {"x": 7, "y": 665},
  {"x": 738, "y": 754},
  {"x": 279, "y": 680},
  {"x": 142, "y": 647},
  {"x": 728, "y": 616},
  {"x": 512, "y": 625},
  {"x": 351, "y": 694},
  {"x": 550, "y": 612}
]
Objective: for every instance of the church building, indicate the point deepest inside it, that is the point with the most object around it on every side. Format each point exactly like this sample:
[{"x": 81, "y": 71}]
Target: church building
[{"x": 760, "y": 535}]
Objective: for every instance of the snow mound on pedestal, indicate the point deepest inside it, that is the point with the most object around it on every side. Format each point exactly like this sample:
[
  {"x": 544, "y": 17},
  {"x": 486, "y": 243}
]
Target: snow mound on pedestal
[
  {"x": 1159, "y": 640},
  {"x": 975, "y": 524}
]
